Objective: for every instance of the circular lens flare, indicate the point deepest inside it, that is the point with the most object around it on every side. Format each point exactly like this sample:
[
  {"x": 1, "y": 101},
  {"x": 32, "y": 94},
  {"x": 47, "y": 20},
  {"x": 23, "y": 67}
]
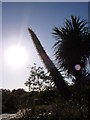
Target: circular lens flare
[{"x": 77, "y": 67}]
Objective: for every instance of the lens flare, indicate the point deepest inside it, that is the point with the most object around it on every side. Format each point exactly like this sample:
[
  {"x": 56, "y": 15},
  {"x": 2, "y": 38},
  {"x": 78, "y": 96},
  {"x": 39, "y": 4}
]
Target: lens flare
[{"x": 77, "y": 67}]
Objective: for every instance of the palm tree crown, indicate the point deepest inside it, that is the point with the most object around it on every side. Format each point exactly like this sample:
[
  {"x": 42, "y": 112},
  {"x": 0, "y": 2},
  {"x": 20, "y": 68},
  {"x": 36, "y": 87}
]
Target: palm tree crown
[{"x": 72, "y": 45}]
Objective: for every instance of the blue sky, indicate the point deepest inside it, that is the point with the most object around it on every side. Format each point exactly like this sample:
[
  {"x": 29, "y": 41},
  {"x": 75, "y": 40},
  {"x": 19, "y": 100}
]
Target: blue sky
[
  {"x": 41, "y": 17},
  {"x": 45, "y": 0},
  {"x": 0, "y": 44}
]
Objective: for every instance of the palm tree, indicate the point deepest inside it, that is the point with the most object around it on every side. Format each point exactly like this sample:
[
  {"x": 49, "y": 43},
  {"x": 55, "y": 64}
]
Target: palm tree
[
  {"x": 72, "y": 48},
  {"x": 56, "y": 76}
]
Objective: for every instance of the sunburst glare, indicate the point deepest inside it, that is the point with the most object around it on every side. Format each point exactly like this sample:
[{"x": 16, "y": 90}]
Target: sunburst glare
[{"x": 16, "y": 56}]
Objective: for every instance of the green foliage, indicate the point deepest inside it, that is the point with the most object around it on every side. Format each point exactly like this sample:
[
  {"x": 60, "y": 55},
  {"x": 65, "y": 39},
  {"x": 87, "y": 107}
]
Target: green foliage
[
  {"x": 10, "y": 102},
  {"x": 49, "y": 96},
  {"x": 26, "y": 100},
  {"x": 39, "y": 80},
  {"x": 49, "y": 104}
]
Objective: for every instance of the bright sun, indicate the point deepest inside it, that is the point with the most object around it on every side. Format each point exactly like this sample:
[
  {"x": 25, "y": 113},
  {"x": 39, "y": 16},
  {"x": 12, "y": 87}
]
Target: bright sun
[{"x": 16, "y": 56}]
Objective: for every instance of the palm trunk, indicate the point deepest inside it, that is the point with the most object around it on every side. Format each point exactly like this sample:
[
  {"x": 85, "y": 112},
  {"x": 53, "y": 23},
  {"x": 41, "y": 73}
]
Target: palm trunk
[
  {"x": 56, "y": 76},
  {"x": 79, "y": 80},
  {"x": 88, "y": 95}
]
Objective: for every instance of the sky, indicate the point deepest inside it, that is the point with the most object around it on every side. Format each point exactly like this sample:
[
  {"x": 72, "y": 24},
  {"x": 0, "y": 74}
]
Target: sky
[
  {"x": 0, "y": 44},
  {"x": 42, "y": 18},
  {"x": 45, "y": 0}
]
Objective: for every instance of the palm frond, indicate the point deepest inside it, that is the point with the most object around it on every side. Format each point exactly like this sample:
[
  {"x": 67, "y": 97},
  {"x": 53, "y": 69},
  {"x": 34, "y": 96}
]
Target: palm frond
[{"x": 72, "y": 45}]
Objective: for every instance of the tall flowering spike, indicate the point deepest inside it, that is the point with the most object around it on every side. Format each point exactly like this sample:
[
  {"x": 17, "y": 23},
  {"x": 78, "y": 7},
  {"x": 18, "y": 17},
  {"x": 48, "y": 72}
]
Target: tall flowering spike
[{"x": 56, "y": 76}]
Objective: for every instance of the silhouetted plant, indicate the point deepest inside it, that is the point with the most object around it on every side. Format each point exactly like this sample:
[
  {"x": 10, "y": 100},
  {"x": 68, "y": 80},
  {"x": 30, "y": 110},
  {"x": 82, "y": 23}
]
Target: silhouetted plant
[
  {"x": 72, "y": 51},
  {"x": 39, "y": 80},
  {"x": 72, "y": 48},
  {"x": 56, "y": 76}
]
